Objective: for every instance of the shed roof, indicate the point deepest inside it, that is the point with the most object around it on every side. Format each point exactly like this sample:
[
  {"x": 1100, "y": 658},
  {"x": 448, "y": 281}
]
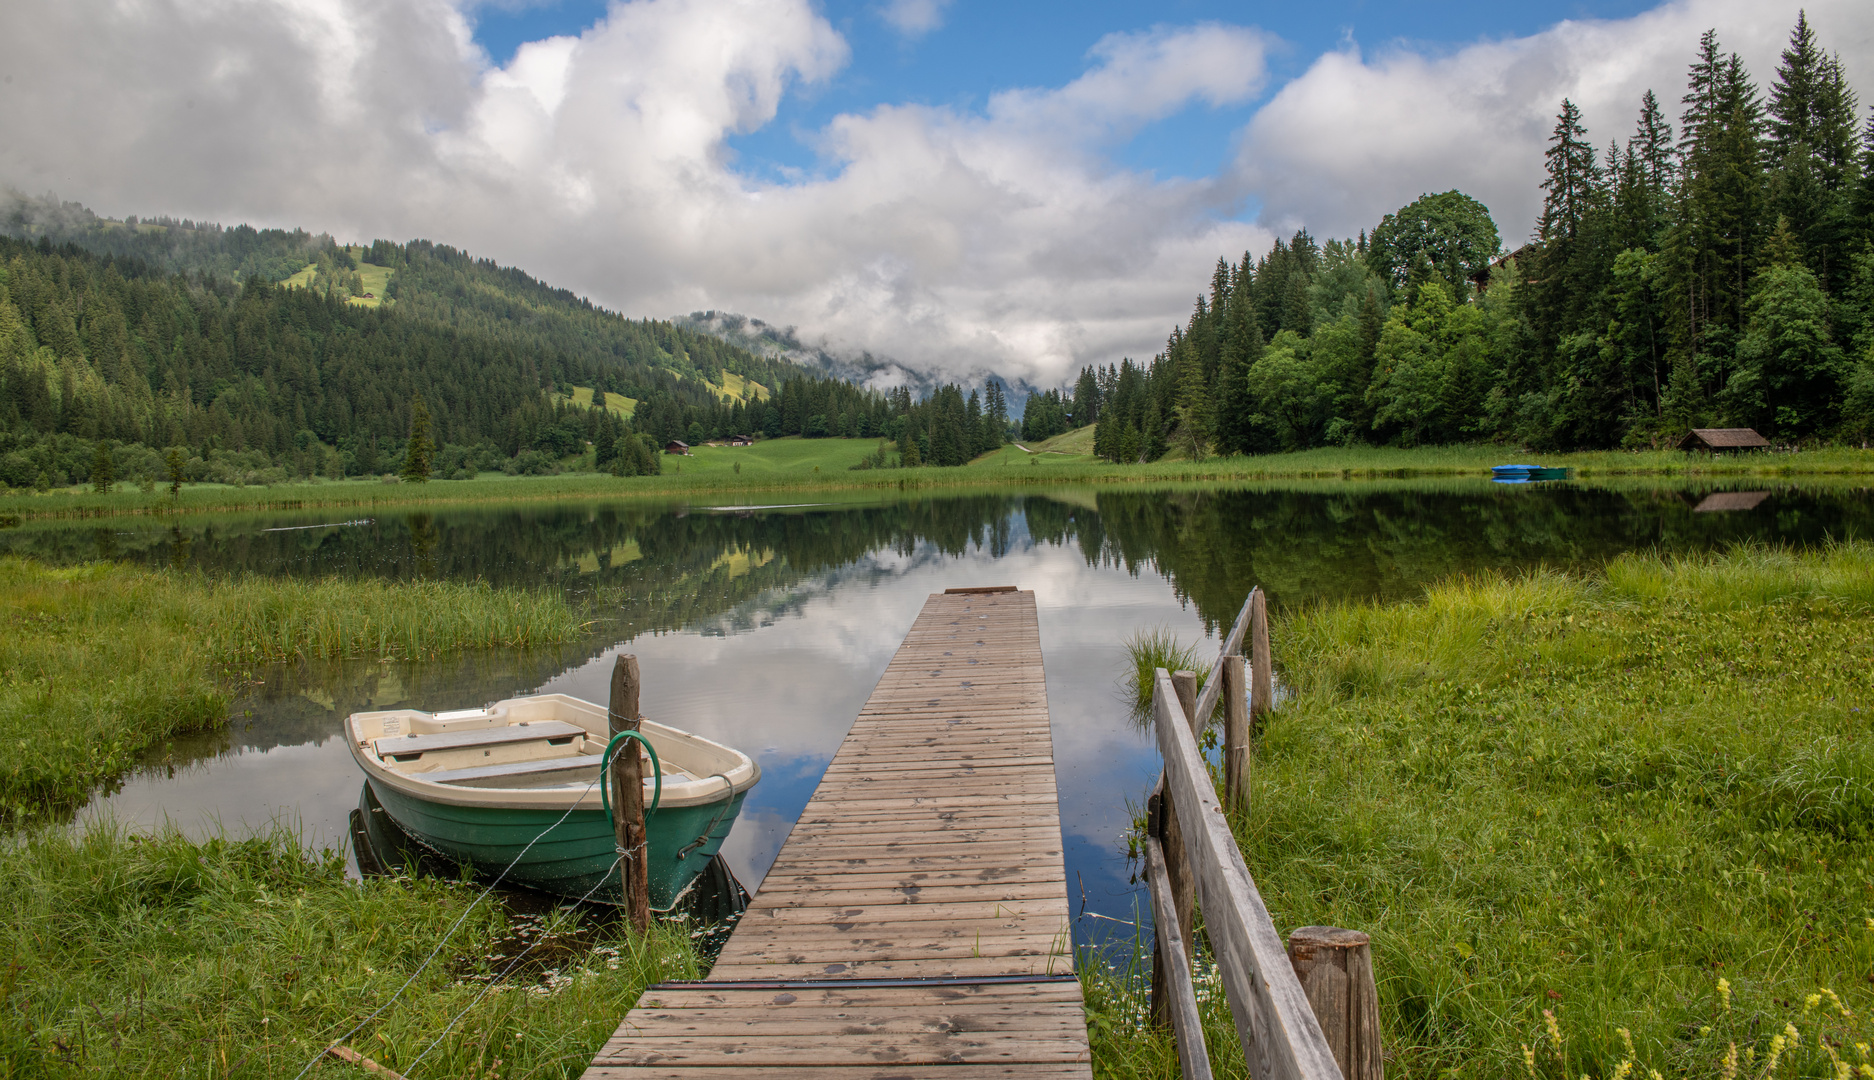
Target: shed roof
[{"x": 1725, "y": 438}]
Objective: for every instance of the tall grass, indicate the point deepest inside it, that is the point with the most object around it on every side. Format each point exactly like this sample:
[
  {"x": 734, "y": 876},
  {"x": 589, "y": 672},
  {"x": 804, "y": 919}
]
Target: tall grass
[
  {"x": 161, "y": 957},
  {"x": 98, "y": 662},
  {"x": 1596, "y": 796},
  {"x": 1151, "y": 649}
]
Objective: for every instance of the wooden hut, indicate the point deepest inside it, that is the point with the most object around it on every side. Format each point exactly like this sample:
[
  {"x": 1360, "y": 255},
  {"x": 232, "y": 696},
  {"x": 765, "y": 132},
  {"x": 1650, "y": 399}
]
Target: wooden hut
[
  {"x": 676, "y": 446},
  {"x": 741, "y": 440},
  {"x": 1725, "y": 438}
]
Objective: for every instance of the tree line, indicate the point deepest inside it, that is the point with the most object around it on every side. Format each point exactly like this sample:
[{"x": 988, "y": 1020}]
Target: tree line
[{"x": 1719, "y": 275}]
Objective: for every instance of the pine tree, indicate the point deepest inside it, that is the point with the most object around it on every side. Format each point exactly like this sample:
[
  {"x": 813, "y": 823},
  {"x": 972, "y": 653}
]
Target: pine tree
[{"x": 421, "y": 451}]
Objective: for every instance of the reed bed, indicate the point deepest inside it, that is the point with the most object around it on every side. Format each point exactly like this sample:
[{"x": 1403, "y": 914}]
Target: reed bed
[
  {"x": 1596, "y": 825},
  {"x": 99, "y": 662},
  {"x": 1153, "y": 648},
  {"x": 161, "y": 957}
]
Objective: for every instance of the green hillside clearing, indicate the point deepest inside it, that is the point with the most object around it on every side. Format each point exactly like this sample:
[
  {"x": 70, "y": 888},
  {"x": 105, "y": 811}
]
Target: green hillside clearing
[
  {"x": 376, "y": 279},
  {"x": 614, "y": 403}
]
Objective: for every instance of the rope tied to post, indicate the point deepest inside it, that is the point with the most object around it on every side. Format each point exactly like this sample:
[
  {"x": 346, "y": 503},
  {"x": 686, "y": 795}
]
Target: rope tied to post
[{"x": 605, "y": 761}]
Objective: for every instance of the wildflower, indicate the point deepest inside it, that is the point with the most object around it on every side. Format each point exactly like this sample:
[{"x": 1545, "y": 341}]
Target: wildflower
[
  {"x": 1626, "y": 1040},
  {"x": 1724, "y": 993},
  {"x": 1777, "y": 1046},
  {"x": 1621, "y": 1070},
  {"x": 1555, "y": 1032},
  {"x": 1811, "y": 1002},
  {"x": 1706, "y": 1030},
  {"x": 1839, "y": 1007},
  {"x": 1727, "y": 1068},
  {"x": 1529, "y": 1060},
  {"x": 1795, "y": 1039}
]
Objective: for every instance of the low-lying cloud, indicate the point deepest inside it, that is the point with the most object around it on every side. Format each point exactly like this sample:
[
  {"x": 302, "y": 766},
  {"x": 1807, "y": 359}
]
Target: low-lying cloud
[{"x": 960, "y": 241}]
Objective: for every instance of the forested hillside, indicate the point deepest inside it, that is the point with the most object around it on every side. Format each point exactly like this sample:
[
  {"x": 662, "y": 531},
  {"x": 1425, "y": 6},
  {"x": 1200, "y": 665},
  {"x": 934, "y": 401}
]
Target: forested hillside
[
  {"x": 1721, "y": 277},
  {"x": 145, "y": 335}
]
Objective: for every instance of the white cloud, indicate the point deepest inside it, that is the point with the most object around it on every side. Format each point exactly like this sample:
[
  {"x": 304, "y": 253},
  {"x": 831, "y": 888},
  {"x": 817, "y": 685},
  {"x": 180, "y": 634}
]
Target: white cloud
[
  {"x": 957, "y": 241},
  {"x": 1355, "y": 137},
  {"x": 914, "y": 18}
]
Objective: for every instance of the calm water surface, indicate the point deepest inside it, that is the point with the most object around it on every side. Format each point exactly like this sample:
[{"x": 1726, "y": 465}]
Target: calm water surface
[{"x": 766, "y": 628}]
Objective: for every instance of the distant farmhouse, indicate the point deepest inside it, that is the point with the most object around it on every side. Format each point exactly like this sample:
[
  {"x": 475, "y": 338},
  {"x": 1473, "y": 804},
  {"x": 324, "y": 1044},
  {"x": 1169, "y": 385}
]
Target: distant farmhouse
[{"x": 676, "y": 446}]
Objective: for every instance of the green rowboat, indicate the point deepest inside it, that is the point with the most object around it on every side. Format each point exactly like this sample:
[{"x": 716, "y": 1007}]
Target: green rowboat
[{"x": 481, "y": 785}]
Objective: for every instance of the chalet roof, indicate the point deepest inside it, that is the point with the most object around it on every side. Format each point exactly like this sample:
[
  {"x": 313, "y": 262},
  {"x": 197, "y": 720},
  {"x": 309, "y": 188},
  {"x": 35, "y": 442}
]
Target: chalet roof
[
  {"x": 1729, "y": 438},
  {"x": 677, "y": 442}
]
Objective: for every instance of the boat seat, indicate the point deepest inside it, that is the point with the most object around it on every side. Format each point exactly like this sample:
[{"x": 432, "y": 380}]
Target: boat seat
[
  {"x": 403, "y": 747},
  {"x": 576, "y": 763}
]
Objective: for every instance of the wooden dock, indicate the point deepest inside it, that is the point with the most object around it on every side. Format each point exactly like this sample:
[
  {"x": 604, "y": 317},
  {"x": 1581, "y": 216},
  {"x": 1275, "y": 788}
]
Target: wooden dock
[{"x": 916, "y": 921}]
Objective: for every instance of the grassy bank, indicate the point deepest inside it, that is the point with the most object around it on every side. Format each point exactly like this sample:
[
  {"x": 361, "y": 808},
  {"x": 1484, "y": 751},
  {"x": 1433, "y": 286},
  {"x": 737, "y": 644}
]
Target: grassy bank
[
  {"x": 1639, "y": 801},
  {"x": 99, "y": 662},
  {"x": 158, "y": 957},
  {"x": 794, "y": 466}
]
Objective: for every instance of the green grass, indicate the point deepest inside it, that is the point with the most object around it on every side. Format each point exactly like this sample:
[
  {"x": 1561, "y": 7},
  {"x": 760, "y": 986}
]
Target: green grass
[
  {"x": 818, "y": 466},
  {"x": 159, "y": 957},
  {"x": 1596, "y": 796},
  {"x": 99, "y": 662},
  {"x": 1158, "y": 648}
]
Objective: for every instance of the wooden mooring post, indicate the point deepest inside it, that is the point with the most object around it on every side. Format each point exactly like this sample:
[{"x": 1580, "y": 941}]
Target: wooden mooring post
[
  {"x": 628, "y": 793},
  {"x": 1309, "y": 1010}
]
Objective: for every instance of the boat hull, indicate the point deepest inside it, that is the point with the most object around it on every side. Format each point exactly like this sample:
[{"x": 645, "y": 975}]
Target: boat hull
[{"x": 575, "y": 857}]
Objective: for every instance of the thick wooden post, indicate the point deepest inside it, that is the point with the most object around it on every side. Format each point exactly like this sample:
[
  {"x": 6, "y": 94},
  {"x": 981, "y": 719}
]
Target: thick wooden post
[
  {"x": 1335, "y": 968},
  {"x": 1236, "y": 759},
  {"x": 1261, "y": 672},
  {"x": 628, "y": 793}
]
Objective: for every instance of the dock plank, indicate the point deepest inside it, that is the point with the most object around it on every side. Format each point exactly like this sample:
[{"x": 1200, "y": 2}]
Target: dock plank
[{"x": 930, "y": 854}]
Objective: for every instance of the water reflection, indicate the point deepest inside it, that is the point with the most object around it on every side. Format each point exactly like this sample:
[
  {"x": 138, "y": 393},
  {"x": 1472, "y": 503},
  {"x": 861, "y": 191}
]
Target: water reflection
[{"x": 766, "y": 628}]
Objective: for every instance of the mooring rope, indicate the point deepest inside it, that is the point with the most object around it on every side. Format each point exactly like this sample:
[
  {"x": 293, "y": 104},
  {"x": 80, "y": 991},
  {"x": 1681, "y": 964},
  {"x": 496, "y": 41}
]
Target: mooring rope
[
  {"x": 316, "y": 1058},
  {"x": 410, "y": 1070}
]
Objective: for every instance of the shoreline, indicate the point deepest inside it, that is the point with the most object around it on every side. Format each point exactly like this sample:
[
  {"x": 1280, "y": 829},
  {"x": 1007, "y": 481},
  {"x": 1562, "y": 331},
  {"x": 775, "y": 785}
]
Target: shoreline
[{"x": 715, "y": 479}]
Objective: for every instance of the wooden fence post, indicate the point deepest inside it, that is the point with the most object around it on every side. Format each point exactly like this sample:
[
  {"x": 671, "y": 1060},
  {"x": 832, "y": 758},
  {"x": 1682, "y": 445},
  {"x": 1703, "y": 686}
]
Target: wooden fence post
[
  {"x": 628, "y": 793},
  {"x": 1183, "y": 886},
  {"x": 1335, "y": 968},
  {"x": 1164, "y": 814},
  {"x": 1236, "y": 758},
  {"x": 1261, "y": 675}
]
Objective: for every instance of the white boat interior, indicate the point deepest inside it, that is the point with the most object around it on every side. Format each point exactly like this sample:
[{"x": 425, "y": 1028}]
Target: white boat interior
[{"x": 535, "y": 750}]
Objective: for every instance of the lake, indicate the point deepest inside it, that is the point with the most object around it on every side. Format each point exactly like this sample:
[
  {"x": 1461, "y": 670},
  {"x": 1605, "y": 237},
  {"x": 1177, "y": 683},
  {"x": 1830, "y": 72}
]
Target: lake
[{"x": 766, "y": 627}]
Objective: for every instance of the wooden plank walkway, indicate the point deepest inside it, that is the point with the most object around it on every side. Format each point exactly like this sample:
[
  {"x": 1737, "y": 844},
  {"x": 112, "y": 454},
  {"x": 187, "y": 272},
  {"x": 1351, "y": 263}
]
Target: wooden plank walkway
[{"x": 916, "y": 921}]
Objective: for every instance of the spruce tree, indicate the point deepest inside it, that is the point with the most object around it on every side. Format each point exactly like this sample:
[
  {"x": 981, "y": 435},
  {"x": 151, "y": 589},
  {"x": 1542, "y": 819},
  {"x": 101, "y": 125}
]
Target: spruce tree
[{"x": 420, "y": 451}]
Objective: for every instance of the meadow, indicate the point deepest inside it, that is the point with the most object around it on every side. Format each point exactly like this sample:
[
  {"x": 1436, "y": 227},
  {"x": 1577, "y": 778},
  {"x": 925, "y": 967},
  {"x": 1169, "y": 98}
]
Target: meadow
[
  {"x": 797, "y": 465},
  {"x": 100, "y": 662},
  {"x": 1596, "y": 826}
]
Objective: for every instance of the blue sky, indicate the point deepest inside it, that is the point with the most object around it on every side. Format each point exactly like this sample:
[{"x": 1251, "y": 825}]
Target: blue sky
[{"x": 980, "y": 47}]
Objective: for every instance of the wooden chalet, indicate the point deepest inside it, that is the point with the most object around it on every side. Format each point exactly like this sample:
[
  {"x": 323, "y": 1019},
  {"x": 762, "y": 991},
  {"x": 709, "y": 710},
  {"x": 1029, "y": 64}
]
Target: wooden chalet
[
  {"x": 676, "y": 446},
  {"x": 741, "y": 440},
  {"x": 1714, "y": 440}
]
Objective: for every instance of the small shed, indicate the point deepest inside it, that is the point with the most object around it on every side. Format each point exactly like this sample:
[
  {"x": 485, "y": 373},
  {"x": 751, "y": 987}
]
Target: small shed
[
  {"x": 676, "y": 446},
  {"x": 741, "y": 440},
  {"x": 1723, "y": 438}
]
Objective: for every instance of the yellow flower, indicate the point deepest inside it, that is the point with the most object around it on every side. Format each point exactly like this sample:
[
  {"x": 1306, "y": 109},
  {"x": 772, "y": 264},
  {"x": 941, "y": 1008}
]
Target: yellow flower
[
  {"x": 1724, "y": 994},
  {"x": 1727, "y": 1068},
  {"x": 1529, "y": 1059}
]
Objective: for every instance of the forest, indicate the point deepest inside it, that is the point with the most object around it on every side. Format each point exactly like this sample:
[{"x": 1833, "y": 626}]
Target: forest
[
  {"x": 120, "y": 341},
  {"x": 1722, "y": 275}
]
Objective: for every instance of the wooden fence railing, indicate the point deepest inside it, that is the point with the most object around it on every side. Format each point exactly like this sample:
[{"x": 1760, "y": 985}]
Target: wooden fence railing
[{"x": 1308, "y": 1012}]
